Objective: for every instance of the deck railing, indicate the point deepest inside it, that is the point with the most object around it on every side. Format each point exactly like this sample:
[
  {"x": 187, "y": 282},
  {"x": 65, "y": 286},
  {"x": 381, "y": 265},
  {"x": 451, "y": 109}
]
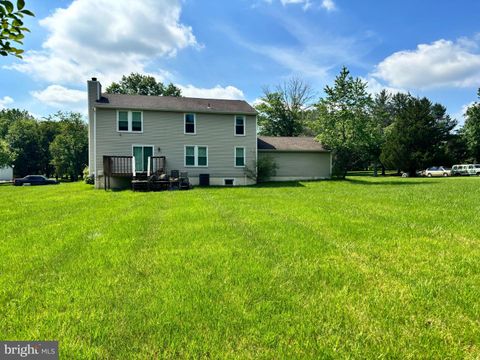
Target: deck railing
[
  {"x": 124, "y": 166},
  {"x": 118, "y": 166},
  {"x": 156, "y": 165}
]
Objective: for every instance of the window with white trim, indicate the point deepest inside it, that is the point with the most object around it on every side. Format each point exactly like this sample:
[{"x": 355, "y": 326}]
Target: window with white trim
[
  {"x": 240, "y": 125},
  {"x": 189, "y": 124},
  {"x": 239, "y": 156},
  {"x": 129, "y": 121},
  {"x": 196, "y": 155},
  {"x": 141, "y": 153}
]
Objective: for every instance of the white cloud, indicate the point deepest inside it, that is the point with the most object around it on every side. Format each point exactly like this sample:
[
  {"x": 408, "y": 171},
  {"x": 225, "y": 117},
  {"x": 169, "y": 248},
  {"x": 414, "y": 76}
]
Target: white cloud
[
  {"x": 106, "y": 38},
  {"x": 329, "y": 5},
  {"x": 442, "y": 63},
  {"x": 6, "y": 100},
  {"x": 256, "y": 102},
  {"x": 59, "y": 96},
  {"x": 460, "y": 114},
  {"x": 375, "y": 86},
  {"x": 287, "y": 2},
  {"x": 217, "y": 92}
]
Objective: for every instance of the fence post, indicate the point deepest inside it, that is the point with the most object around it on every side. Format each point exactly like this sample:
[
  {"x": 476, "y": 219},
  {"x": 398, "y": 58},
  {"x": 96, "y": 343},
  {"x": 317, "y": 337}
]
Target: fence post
[{"x": 134, "y": 173}]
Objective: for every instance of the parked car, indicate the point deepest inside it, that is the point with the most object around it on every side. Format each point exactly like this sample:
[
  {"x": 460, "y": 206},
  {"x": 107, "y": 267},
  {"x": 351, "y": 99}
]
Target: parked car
[
  {"x": 417, "y": 173},
  {"x": 460, "y": 170},
  {"x": 438, "y": 171},
  {"x": 34, "y": 180},
  {"x": 474, "y": 169}
]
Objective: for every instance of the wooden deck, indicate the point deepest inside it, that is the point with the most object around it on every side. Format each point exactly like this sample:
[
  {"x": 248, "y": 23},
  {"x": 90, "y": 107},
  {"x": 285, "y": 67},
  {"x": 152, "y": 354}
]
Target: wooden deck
[{"x": 124, "y": 166}]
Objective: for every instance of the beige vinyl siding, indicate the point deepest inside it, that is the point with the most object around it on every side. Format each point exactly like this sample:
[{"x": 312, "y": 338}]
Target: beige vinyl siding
[
  {"x": 165, "y": 130},
  {"x": 299, "y": 165}
]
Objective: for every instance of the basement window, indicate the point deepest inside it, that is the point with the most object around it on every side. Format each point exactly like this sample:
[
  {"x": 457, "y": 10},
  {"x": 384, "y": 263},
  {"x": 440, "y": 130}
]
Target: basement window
[{"x": 228, "y": 182}]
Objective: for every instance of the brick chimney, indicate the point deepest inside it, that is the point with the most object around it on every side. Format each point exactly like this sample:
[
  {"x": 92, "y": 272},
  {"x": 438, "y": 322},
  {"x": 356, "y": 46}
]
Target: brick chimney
[{"x": 94, "y": 90}]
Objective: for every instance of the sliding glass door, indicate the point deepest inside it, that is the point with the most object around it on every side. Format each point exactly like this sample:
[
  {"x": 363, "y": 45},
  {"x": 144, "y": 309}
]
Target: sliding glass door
[{"x": 141, "y": 154}]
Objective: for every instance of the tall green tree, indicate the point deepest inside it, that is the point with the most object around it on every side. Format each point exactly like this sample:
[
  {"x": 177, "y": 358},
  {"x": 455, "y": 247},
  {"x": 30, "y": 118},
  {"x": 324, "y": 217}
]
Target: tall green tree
[
  {"x": 12, "y": 27},
  {"x": 283, "y": 111},
  {"x": 444, "y": 126},
  {"x": 471, "y": 129},
  {"x": 6, "y": 158},
  {"x": 418, "y": 135},
  {"x": 24, "y": 143},
  {"x": 456, "y": 149},
  {"x": 48, "y": 130},
  {"x": 9, "y": 116},
  {"x": 344, "y": 122},
  {"x": 69, "y": 149},
  {"x": 138, "y": 84},
  {"x": 382, "y": 117}
]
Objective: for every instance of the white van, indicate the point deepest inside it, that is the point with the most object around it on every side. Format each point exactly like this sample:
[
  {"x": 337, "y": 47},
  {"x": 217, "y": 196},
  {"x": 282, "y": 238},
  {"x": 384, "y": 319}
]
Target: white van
[
  {"x": 474, "y": 169},
  {"x": 459, "y": 170},
  {"x": 466, "y": 169}
]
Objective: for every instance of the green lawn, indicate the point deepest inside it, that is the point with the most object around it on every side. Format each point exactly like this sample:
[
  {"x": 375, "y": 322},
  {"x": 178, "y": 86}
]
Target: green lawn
[{"x": 363, "y": 268}]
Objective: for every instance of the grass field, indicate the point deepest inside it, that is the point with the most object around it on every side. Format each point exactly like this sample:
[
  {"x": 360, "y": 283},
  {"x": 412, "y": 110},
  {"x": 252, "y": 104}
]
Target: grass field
[{"x": 363, "y": 268}]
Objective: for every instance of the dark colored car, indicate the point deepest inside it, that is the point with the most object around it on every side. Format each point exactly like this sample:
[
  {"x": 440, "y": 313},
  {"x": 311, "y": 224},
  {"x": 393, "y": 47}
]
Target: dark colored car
[{"x": 34, "y": 180}]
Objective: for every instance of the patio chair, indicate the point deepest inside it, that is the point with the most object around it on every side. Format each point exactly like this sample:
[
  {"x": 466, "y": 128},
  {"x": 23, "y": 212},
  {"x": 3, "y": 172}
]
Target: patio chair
[
  {"x": 174, "y": 180},
  {"x": 174, "y": 174},
  {"x": 184, "y": 181}
]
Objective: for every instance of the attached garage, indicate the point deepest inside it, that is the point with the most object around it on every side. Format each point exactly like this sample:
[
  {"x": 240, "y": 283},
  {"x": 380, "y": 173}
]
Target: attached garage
[{"x": 296, "y": 158}]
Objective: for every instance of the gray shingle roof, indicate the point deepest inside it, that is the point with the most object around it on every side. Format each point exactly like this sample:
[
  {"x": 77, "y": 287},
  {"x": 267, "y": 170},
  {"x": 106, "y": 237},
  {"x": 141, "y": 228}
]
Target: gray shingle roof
[
  {"x": 281, "y": 143},
  {"x": 170, "y": 103}
]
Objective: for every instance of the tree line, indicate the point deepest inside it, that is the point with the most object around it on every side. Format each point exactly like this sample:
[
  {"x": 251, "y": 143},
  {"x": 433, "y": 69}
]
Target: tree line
[
  {"x": 385, "y": 131},
  {"x": 54, "y": 146}
]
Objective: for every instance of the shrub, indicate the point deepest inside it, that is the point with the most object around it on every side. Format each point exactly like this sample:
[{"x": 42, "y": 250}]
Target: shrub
[
  {"x": 266, "y": 168},
  {"x": 89, "y": 179}
]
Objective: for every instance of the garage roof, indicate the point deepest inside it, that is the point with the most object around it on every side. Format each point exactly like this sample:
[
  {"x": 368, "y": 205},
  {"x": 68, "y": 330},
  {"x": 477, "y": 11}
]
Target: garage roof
[{"x": 283, "y": 143}]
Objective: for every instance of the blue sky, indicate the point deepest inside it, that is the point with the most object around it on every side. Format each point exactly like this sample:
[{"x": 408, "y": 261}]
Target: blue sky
[{"x": 233, "y": 49}]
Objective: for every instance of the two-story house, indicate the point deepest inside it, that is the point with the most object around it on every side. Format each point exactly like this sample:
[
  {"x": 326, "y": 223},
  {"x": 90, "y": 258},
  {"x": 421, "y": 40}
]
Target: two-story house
[
  {"x": 198, "y": 136},
  {"x": 207, "y": 138}
]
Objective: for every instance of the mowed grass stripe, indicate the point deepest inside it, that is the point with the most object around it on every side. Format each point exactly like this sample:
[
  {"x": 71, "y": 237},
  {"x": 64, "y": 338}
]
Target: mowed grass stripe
[{"x": 361, "y": 268}]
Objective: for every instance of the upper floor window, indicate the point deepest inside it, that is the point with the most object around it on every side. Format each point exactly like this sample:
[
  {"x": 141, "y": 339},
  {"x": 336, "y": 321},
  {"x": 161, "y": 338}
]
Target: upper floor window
[
  {"x": 190, "y": 124},
  {"x": 129, "y": 121},
  {"x": 122, "y": 121},
  {"x": 136, "y": 121},
  {"x": 239, "y": 125}
]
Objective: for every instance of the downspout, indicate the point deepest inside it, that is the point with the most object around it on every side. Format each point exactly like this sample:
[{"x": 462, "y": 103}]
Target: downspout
[
  {"x": 256, "y": 150},
  {"x": 89, "y": 147},
  {"x": 95, "y": 143}
]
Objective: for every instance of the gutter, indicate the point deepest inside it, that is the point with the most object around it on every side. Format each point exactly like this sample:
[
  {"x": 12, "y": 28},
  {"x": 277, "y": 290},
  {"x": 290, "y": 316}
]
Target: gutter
[
  {"x": 95, "y": 143},
  {"x": 139, "y": 108},
  {"x": 294, "y": 151}
]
